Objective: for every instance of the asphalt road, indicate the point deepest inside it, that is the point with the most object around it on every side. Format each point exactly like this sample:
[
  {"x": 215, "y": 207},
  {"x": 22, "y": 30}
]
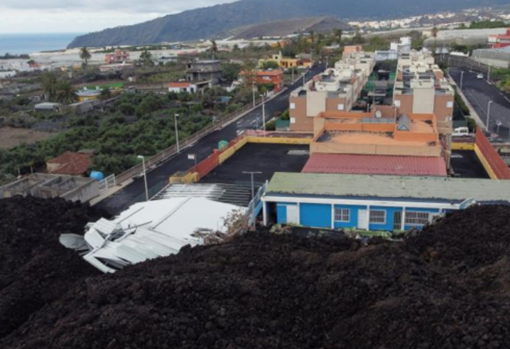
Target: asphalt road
[
  {"x": 158, "y": 178},
  {"x": 479, "y": 93}
]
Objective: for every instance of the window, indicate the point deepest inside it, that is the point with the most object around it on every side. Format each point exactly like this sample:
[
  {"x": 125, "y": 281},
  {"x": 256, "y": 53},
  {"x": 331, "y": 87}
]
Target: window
[
  {"x": 449, "y": 104},
  {"x": 293, "y": 106},
  {"x": 417, "y": 218},
  {"x": 397, "y": 103},
  {"x": 341, "y": 107},
  {"x": 342, "y": 215},
  {"x": 292, "y": 120},
  {"x": 377, "y": 217}
]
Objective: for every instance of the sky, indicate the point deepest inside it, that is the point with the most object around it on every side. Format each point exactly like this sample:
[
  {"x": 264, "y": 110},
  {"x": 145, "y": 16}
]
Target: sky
[{"x": 84, "y": 16}]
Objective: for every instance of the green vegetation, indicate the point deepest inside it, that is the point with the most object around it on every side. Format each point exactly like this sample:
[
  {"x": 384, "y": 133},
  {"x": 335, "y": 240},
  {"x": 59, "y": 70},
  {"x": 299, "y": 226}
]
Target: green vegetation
[
  {"x": 270, "y": 65},
  {"x": 487, "y": 24},
  {"x": 462, "y": 105},
  {"x": 85, "y": 55}
]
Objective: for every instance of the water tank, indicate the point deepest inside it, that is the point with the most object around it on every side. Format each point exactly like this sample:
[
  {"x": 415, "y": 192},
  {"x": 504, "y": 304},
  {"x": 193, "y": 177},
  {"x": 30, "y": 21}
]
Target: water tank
[
  {"x": 98, "y": 176},
  {"x": 222, "y": 145}
]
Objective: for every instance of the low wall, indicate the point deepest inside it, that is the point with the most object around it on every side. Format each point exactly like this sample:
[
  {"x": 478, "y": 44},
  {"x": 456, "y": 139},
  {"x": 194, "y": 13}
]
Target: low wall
[
  {"x": 491, "y": 160},
  {"x": 463, "y": 146}
]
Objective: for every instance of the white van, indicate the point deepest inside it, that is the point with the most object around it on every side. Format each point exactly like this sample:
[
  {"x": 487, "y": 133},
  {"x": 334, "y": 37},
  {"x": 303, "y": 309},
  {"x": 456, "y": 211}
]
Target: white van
[{"x": 461, "y": 132}]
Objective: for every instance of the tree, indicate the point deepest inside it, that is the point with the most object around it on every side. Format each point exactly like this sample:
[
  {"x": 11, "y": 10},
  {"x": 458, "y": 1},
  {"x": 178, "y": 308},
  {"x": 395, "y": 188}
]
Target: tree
[
  {"x": 358, "y": 39},
  {"x": 49, "y": 83},
  {"x": 146, "y": 58},
  {"x": 214, "y": 48},
  {"x": 230, "y": 71},
  {"x": 270, "y": 65},
  {"x": 66, "y": 93},
  {"x": 105, "y": 94},
  {"x": 85, "y": 55},
  {"x": 434, "y": 35},
  {"x": 337, "y": 33}
]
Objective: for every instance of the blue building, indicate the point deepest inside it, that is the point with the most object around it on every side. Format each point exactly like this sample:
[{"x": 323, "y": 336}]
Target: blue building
[{"x": 376, "y": 203}]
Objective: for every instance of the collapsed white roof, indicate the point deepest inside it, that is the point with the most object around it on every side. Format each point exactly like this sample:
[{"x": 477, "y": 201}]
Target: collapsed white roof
[{"x": 153, "y": 229}]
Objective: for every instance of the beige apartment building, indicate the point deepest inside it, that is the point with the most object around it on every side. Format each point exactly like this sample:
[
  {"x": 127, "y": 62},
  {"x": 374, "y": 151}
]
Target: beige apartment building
[
  {"x": 421, "y": 88},
  {"x": 337, "y": 89}
]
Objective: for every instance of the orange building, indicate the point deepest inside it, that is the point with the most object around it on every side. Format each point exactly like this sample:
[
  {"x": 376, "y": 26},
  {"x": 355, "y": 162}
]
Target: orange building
[{"x": 262, "y": 77}]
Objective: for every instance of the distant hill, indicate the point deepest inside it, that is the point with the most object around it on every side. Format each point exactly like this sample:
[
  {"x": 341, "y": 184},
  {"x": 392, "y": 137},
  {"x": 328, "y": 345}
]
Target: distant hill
[
  {"x": 286, "y": 27},
  {"x": 204, "y": 23}
]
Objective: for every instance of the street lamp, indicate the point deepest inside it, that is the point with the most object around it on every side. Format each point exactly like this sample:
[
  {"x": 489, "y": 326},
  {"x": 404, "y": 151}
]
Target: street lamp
[
  {"x": 488, "y": 115},
  {"x": 144, "y": 176},
  {"x": 252, "y": 182},
  {"x": 498, "y": 124},
  {"x": 177, "y": 133},
  {"x": 263, "y": 112},
  {"x": 253, "y": 90},
  {"x": 461, "y": 79},
  {"x": 304, "y": 78}
]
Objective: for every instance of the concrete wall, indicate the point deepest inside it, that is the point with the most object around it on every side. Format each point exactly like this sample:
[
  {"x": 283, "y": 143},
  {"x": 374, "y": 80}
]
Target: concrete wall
[
  {"x": 372, "y": 149},
  {"x": 299, "y": 121},
  {"x": 315, "y": 103},
  {"x": 441, "y": 109},
  {"x": 423, "y": 101}
]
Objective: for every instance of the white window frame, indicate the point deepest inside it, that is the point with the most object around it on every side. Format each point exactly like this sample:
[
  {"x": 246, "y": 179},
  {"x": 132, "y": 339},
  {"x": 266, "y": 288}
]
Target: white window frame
[
  {"x": 396, "y": 103},
  {"x": 343, "y": 212},
  {"x": 415, "y": 218},
  {"x": 384, "y": 217},
  {"x": 449, "y": 104},
  {"x": 292, "y": 120},
  {"x": 293, "y": 106},
  {"x": 341, "y": 107}
]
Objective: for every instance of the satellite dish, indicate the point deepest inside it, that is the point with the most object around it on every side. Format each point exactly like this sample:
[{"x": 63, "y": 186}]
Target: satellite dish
[{"x": 378, "y": 114}]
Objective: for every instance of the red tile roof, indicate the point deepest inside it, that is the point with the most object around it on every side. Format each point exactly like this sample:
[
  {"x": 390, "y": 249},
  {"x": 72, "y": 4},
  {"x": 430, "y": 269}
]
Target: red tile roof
[
  {"x": 71, "y": 163},
  {"x": 179, "y": 84},
  {"x": 376, "y": 164}
]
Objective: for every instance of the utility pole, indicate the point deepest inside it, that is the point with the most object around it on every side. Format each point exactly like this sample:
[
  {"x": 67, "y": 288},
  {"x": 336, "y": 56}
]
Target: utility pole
[
  {"x": 144, "y": 177},
  {"x": 253, "y": 90},
  {"x": 461, "y": 79},
  {"x": 263, "y": 112},
  {"x": 488, "y": 115},
  {"x": 489, "y": 75},
  {"x": 177, "y": 134},
  {"x": 252, "y": 182}
]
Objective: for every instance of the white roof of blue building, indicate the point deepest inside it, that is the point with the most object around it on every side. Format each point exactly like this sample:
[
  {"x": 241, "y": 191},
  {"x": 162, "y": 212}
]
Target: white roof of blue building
[{"x": 398, "y": 187}]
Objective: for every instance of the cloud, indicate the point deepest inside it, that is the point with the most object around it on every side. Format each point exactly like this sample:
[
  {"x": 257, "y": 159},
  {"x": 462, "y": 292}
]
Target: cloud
[{"x": 83, "y": 16}]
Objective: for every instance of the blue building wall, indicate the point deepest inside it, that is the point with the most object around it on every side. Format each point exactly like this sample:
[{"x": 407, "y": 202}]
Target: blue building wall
[
  {"x": 315, "y": 215},
  {"x": 320, "y": 216}
]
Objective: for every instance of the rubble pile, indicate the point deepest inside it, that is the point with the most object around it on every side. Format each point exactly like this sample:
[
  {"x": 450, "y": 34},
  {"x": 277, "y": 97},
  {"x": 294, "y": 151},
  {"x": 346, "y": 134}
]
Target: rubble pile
[
  {"x": 35, "y": 269},
  {"x": 448, "y": 287}
]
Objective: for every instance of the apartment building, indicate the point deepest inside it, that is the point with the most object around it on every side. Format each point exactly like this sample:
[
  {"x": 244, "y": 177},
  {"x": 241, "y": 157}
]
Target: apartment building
[
  {"x": 421, "y": 88},
  {"x": 204, "y": 70},
  {"x": 262, "y": 77},
  {"x": 118, "y": 56},
  {"x": 336, "y": 89}
]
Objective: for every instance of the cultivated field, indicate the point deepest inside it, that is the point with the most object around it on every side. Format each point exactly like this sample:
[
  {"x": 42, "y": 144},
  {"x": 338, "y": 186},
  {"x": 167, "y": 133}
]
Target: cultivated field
[{"x": 11, "y": 137}]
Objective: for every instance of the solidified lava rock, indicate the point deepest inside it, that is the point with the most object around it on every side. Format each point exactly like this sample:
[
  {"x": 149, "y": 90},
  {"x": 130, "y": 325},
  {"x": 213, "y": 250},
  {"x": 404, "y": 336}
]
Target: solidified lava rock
[
  {"x": 35, "y": 269},
  {"x": 446, "y": 288}
]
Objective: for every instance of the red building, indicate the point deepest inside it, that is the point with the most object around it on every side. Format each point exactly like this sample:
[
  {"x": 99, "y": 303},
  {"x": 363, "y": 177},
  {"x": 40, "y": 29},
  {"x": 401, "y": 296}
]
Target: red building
[
  {"x": 118, "y": 56},
  {"x": 262, "y": 77},
  {"x": 499, "y": 41}
]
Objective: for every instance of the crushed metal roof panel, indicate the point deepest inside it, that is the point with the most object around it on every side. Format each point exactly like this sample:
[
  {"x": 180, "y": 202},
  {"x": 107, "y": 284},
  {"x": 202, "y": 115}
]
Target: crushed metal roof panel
[
  {"x": 370, "y": 186},
  {"x": 153, "y": 229},
  {"x": 376, "y": 164},
  {"x": 234, "y": 194}
]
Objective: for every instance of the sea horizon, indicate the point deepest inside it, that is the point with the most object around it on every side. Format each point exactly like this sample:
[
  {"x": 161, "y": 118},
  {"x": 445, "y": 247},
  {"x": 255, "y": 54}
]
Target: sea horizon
[{"x": 28, "y": 43}]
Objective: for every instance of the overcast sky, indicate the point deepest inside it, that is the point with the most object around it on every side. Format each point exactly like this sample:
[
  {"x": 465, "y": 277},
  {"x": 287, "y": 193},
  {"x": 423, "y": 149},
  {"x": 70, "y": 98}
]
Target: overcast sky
[{"x": 83, "y": 16}]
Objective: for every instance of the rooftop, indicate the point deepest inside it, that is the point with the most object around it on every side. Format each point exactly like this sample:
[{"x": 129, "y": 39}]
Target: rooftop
[
  {"x": 376, "y": 164},
  {"x": 403, "y": 187},
  {"x": 71, "y": 163}
]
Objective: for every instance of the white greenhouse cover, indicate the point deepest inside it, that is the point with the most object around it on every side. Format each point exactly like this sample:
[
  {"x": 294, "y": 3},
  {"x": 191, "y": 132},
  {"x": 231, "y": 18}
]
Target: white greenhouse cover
[{"x": 153, "y": 229}]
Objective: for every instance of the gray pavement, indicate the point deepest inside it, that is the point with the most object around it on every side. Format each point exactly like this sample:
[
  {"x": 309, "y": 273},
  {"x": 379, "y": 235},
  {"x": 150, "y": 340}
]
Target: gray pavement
[
  {"x": 158, "y": 178},
  {"x": 480, "y": 94}
]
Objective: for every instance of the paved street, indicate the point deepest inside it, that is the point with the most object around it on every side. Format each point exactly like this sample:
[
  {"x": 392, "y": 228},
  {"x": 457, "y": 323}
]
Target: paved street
[
  {"x": 158, "y": 178},
  {"x": 479, "y": 93}
]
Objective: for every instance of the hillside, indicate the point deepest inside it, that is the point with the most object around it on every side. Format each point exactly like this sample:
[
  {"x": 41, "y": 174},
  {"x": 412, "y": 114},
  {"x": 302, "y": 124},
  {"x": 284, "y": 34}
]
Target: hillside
[
  {"x": 203, "y": 23},
  {"x": 287, "y": 27}
]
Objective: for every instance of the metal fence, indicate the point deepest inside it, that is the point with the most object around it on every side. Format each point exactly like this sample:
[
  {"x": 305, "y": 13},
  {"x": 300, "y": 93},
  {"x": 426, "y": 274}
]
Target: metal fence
[{"x": 107, "y": 183}]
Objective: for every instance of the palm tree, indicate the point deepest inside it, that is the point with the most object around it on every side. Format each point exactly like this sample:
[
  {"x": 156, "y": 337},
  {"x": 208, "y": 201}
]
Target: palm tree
[
  {"x": 146, "y": 58},
  {"x": 214, "y": 48},
  {"x": 49, "y": 83},
  {"x": 85, "y": 54},
  {"x": 434, "y": 35},
  {"x": 337, "y": 33},
  {"x": 66, "y": 93}
]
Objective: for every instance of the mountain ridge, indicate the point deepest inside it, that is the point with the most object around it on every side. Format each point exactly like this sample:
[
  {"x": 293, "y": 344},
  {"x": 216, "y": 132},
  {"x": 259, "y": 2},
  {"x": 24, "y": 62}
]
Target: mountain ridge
[{"x": 204, "y": 23}]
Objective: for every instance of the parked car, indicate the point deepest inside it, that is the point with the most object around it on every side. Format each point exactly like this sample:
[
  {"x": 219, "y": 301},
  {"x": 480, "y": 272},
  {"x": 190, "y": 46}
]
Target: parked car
[
  {"x": 461, "y": 132},
  {"x": 479, "y": 76}
]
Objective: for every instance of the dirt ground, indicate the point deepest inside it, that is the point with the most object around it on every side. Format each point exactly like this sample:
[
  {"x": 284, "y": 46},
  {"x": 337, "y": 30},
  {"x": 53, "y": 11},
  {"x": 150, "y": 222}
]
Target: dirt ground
[
  {"x": 11, "y": 137},
  {"x": 444, "y": 288}
]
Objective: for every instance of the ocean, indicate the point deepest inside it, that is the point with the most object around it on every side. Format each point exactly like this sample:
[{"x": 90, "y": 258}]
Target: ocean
[{"x": 30, "y": 43}]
